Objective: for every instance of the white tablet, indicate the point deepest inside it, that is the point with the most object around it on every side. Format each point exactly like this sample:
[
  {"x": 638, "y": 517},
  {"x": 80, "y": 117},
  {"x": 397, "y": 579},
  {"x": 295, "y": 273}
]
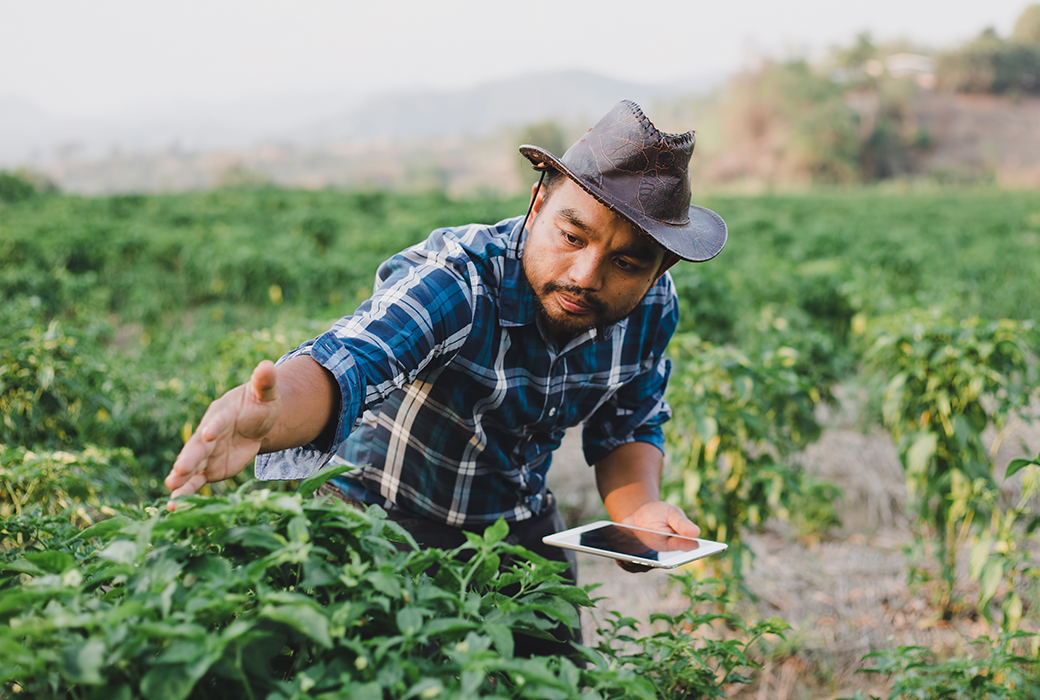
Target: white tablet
[{"x": 634, "y": 544}]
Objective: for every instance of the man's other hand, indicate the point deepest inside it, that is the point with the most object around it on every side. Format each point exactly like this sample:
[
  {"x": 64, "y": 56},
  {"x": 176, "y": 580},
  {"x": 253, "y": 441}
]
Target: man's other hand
[{"x": 229, "y": 436}]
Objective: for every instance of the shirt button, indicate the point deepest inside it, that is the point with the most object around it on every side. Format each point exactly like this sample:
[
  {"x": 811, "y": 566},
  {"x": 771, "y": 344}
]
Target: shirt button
[{"x": 552, "y": 412}]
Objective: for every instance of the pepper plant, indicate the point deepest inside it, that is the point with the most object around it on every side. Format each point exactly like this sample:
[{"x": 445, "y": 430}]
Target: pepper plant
[
  {"x": 941, "y": 383},
  {"x": 735, "y": 425},
  {"x": 258, "y": 594}
]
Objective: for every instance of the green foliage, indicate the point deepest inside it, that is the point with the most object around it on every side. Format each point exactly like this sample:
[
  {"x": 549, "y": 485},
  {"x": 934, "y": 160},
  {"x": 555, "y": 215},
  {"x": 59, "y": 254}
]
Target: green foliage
[
  {"x": 800, "y": 117},
  {"x": 124, "y": 316},
  {"x": 1001, "y": 553},
  {"x": 15, "y": 188},
  {"x": 999, "y": 672},
  {"x": 943, "y": 382},
  {"x": 81, "y": 484},
  {"x": 735, "y": 425},
  {"x": 991, "y": 65},
  {"x": 149, "y": 257},
  {"x": 266, "y": 595},
  {"x": 684, "y": 660}
]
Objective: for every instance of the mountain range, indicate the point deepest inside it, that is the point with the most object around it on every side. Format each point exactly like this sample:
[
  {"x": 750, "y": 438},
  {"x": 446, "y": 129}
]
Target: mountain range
[{"x": 31, "y": 137}]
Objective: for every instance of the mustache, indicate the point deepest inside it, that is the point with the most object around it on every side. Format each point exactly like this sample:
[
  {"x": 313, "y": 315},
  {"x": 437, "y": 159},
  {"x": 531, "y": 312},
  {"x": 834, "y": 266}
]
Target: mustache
[{"x": 580, "y": 293}]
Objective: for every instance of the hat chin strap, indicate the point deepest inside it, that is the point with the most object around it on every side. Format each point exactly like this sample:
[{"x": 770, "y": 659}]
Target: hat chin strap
[{"x": 523, "y": 226}]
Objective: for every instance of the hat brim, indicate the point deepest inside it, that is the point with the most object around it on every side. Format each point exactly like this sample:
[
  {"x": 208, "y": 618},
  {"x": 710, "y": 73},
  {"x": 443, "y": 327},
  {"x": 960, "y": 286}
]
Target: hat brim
[{"x": 700, "y": 239}]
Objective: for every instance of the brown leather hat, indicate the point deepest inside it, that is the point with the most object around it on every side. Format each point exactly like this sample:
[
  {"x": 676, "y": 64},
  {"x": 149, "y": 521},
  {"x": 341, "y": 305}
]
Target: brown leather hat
[{"x": 643, "y": 175}]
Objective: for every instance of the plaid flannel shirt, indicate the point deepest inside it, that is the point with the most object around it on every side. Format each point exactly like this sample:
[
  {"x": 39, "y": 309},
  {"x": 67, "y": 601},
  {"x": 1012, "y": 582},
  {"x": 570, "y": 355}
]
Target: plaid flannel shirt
[{"x": 454, "y": 396}]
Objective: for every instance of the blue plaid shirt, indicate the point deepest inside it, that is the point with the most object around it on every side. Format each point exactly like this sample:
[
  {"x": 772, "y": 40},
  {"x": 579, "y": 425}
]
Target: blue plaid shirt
[{"x": 453, "y": 394}]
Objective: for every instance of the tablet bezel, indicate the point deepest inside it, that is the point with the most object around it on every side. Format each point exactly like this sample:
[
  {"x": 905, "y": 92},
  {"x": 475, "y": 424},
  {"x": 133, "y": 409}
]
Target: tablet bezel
[{"x": 570, "y": 539}]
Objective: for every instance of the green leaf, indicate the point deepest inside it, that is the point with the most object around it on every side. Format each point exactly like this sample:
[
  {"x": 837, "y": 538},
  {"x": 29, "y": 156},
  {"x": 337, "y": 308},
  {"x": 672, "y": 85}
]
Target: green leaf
[
  {"x": 120, "y": 552},
  {"x": 299, "y": 530},
  {"x": 990, "y": 579},
  {"x": 409, "y": 620},
  {"x": 1017, "y": 465},
  {"x": 311, "y": 484},
  {"x": 252, "y": 538},
  {"x": 1012, "y": 609},
  {"x": 81, "y": 663},
  {"x": 502, "y": 638},
  {"x": 302, "y": 618},
  {"x": 101, "y": 529},
  {"x": 22, "y": 565},
  {"x": 443, "y": 625},
  {"x": 920, "y": 454},
  {"x": 385, "y": 583},
  {"x": 174, "y": 681},
  {"x": 978, "y": 557},
  {"x": 497, "y": 532}
]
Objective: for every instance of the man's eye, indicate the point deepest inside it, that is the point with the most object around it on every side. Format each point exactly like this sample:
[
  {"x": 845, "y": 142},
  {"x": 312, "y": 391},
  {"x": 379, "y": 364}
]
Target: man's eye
[
  {"x": 569, "y": 237},
  {"x": 624, "y": 264}
]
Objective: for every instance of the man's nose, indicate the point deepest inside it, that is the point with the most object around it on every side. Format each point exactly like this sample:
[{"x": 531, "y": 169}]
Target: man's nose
[{"x": 586, "y": 270}]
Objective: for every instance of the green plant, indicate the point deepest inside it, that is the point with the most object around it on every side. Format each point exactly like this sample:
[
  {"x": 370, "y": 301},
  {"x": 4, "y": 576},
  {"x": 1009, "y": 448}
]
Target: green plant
[
  {"x": 260, "y": 594},
  {"x": 15, "y": 188},
  {"x": 941, "y": 383},
  {"x": 1001, "y": 554},
  {"x": 266, "y": 595},
  {"x": 735, "y": 424},
  {"x": 685, "y": 660},
  {"x": 81, "y": 484},
  {"x": 997, "y": 673}
]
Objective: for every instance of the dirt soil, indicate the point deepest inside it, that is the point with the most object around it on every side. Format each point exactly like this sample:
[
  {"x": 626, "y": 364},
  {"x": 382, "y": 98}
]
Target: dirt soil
[{"x": 845, "y": 593}]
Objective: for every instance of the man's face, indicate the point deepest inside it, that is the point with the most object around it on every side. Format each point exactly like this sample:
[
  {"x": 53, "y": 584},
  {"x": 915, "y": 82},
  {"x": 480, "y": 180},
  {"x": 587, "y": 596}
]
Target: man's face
[{"x": 587, "y": 266}]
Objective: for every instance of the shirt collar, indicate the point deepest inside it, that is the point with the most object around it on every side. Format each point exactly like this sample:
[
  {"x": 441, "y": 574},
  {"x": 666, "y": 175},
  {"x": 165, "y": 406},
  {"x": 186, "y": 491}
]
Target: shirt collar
[{"x": 517, "y": 304}]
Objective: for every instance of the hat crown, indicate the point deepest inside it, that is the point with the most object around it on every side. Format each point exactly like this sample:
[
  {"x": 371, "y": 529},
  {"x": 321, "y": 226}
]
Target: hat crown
[
  {"x": 626, "y": 155},
  {"x": 642, "y": 174}
]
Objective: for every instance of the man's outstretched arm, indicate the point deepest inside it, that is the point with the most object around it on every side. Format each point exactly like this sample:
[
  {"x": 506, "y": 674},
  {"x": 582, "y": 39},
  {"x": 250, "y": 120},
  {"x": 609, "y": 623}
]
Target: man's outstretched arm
[{"x": 279, "y": 407}]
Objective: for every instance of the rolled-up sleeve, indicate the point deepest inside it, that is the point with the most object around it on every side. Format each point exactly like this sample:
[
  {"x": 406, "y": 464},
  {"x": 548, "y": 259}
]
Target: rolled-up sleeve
[
  {"x": 635, "y": 413},
  {"x": 418, "y": 317}
]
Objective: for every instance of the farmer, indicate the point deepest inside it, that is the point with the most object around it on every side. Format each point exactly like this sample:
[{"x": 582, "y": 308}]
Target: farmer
[{"x": 480, "y": 346}]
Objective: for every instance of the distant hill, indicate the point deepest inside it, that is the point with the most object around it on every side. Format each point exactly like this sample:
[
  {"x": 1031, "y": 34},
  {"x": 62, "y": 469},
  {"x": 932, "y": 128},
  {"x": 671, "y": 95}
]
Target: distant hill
[
  {"x": 571, "y": 96},
  {"x": 29, "y": 136}
]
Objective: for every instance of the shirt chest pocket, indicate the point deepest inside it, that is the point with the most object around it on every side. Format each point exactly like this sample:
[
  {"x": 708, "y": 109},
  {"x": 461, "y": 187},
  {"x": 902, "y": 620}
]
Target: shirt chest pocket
[{"x": 583, "y": 397}]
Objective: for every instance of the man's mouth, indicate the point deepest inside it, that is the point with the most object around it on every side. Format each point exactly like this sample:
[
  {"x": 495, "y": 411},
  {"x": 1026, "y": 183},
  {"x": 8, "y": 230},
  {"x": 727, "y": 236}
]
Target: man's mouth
[
  {"x": 574, "y": 300},
  {"x": 571, "y": 305}
]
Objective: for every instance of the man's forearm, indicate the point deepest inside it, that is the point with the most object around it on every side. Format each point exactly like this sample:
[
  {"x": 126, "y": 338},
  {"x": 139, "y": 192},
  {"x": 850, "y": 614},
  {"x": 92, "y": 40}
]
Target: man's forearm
[
  {"x": 310, "y": 408},
  {"x": 629, "y": 477}
]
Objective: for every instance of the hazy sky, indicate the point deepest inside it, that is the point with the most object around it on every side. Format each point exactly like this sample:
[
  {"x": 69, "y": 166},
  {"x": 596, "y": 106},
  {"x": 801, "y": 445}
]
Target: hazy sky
[{"x": 89, "y": 58}]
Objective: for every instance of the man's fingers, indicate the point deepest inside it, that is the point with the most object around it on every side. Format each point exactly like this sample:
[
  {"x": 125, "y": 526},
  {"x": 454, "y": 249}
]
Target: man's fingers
[
  {"x": 682, "y": 525},
  {"x": 193, "y": 484},
  {"x": 263, "y": 382},
  {"x": 194, "y": 456}
]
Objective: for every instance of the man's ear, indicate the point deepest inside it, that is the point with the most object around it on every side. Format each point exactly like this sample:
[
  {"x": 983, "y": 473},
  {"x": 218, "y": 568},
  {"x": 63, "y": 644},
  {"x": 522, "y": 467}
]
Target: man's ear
[{"x": 537, "y": 200}]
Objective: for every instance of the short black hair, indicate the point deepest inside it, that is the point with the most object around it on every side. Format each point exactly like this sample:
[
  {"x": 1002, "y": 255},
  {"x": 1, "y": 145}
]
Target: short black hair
[{"x": 552, "y": 180}]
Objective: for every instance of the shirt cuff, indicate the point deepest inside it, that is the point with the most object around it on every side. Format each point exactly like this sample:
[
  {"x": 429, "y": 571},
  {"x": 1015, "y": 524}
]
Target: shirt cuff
[
  {"x": 596, "y": 452},
  {"x": 301, "y": 462}
]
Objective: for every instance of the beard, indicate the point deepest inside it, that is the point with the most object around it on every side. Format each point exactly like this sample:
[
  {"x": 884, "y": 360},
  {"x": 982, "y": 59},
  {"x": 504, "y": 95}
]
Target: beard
[{"x": 570, "y": 325}]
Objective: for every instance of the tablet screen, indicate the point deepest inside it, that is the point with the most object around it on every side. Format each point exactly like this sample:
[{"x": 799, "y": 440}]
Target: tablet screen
[{"x": 614, "y": 539}]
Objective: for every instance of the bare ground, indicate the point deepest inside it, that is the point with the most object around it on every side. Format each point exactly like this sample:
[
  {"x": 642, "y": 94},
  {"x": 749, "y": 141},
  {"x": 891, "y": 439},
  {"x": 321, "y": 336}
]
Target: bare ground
[{"x": 845, "y": 593}]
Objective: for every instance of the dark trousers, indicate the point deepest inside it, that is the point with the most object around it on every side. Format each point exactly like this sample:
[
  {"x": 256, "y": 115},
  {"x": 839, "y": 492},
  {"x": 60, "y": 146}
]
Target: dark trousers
[{"x": 527, "y": 533}]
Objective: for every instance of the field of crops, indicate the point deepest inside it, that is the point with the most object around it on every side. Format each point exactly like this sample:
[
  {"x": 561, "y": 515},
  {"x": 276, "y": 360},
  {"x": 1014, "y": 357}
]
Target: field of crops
[{"x": 124, "y": 316}]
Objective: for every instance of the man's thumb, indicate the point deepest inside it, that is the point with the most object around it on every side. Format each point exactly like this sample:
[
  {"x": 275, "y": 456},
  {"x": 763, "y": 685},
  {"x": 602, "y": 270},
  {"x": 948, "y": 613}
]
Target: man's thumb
[{"x": 264, "y": 381}]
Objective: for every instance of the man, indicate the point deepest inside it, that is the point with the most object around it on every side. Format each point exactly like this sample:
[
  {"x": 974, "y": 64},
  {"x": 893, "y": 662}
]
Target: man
[{"x": 480, "y": 346}]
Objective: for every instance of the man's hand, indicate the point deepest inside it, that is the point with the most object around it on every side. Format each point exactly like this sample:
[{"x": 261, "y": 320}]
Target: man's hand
[
  {"x": 229, "y": 436},
  {"x": 662, "y": 517},
  {"x": 629, "y": 480}
]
